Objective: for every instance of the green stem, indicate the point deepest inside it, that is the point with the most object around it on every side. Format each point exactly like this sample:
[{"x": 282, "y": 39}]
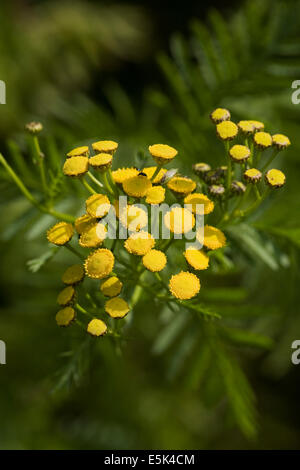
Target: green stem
[
  {"x": 95, "y": 180},
  {"x": 40, "y": 162},
  {"x": 75, "y": 252},
  {"x": 82, "y": 310},
  {"x": 273, "y": 155},
  {"x": 255, "y": 204},
  {"x": 87, "y": 186},
  {"x": 158, "y": 168}
]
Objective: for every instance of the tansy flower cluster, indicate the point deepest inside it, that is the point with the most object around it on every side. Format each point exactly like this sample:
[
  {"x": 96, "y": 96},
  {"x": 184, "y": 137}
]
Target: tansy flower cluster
[{"x": 231, "y": 191}]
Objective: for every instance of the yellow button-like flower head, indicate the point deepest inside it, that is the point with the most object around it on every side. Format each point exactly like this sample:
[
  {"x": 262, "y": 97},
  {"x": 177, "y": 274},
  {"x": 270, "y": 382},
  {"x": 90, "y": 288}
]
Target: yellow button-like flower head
[
  {"x": 105, "y": 146},
  {"x": 150, "y": 170},
  {"x": 275, "y": 178},
  {"x": 96, "y": 327},
  {"x": 239, "y": 153},
  {"x": 137, "y": 186},
  {"x": 252, "y": 175},
  {"x": 97, "y": 205},
  {"x": 123, "y": 174},
  {"x": 155, "y": 260},
  {"x": 73, "y": 274},
  {"x": 155, "y": 195},
  {"x": 162, "y": 153},
  {"x": 76, "y": 166},
  {"x": 199, "y": 198},
  {"x": 66, "y": 296},
  {"x": 219, "y": 115},
  {"x": 99, "y": 264},
  {"x": 101, "y": 161},
  {"x": 133, "y": 217},
  {"x": 93, "y": 236},
  {"x": 116, "y": 307},
  {"x": 179, "y": 220},
  {"x": 263, "y": 140},
  {"x": 280, "y": 141},
  {"x": 184, "y": 285},
  {"x": 246, "y": 127},
  {"x": 79, "y": 152},
  {"x": 227, "y": 130},
  {"x": 196, "y": 258},
  {"x": 213, "y": 238},
  {"x": 111, "y": 287},
  {"x": 60, "y": 234},
  {"x": 139, "y": 243},
  {"x": 65, "y": 316},
  {"x": 83, "y": 222},
  {"x": 181, "y": 186},
  {"x": 258, "y": 126},
  {"x": 200, "y": 169}
]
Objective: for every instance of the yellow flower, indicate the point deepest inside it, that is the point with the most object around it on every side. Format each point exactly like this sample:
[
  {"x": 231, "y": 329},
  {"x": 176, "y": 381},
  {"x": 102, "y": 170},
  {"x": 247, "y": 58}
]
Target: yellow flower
[
  {"x": 213, "y": 238},
  {"x": 123, "y": 174},
  {"x": 227, "y": 130},
  {"x": 73, "y": 274},
  {"x": 184, "y": 285},
  {"x": 200, "y": 169},
  {"x": 219, "y": 115},
  {"x": 65, "y": 316},
  {"x": 116, "y": 307},
  {"x": 66, "y": 296},
  {"x": 99, "y": 264},
  {"x": 76, "y": 166},
  {"x": 96, "y": 327},
  {"x": 181, "y": 185},
  {"x": 162, "y": 153},
  {"x": 258, "y": 126},
  {"x": 155, "y": 195},
  {"x": 79, "y": 152},
  {"x": 83, "y": 222},
  {"x": 139, "y": 243},
  {"x": 111, "y": 287},
  {"x": 246, "y": 127},
  {"x": 154, "y": 260},
  {"x": 179, "y": 220},
  {"x": 280, "y": 141},
  {"x": 60, "y": 234},
  {"x": 263, "y": 140},
  {"x": 101, "y": 161},
  {"x": 150, "y": 170},
  {"x": 137, "y": 186},
  {"x": 252, "y": 175},
  {"x": 198, "y": 198},
  {"x": 239, "y": 153},
  {"x": 275, "y": 178},
  {"x": 93, "y": 236},
  {"x": 105, "y": 146},
  {"x": 196, "y": 258},
  {"x": 133, "y": 217},
  {"x": 97, "y": 205}
]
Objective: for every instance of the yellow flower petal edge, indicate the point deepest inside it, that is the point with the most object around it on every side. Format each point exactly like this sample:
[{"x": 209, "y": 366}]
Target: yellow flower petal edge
[
  {"x": 214, "y": 238},
  {"x": 154, "y": 260},
  {"x": 73, "y": 274},
  {"x": 139, "y": 243},
  {"x": 111, "y": 287},
  {"x": 197, "y": 259},
  {"x": 76, "y": 166},
  {"x": 99, "y": 264},
  {"x": 66, "y": 296},
  {"x": 219, "y": 115},
  {"x": 199, "y": 198},
  {"x": 79, "y": 152},
  {"x": 97, "y": 205},
  {"x": 275, "y": 178},
  {"x": 105, "y": 146},
  {"x": 65, "y": 316},
  {"x": 116, "y": 307},
  {"x": 60, "y": 234},
  {"x": 96, "y": 327},
  {"x": 184, "y": 285}
]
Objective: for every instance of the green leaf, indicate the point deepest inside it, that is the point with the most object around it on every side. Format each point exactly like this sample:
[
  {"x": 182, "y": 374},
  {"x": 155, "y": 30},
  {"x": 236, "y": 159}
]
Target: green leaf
[
  {"x": 246, "y": 338},
  {"x": 36, "y": 264},
  {"x": 169, "y": 333}
]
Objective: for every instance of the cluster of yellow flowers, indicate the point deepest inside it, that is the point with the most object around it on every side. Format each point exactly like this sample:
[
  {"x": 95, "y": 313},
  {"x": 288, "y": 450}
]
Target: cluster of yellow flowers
[{"x": 151, "y": 186}]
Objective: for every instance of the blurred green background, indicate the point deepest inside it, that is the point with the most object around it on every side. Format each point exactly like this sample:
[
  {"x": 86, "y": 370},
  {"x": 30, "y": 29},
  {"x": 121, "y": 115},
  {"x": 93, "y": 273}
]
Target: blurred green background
[{"x": 139, "y": 73}]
